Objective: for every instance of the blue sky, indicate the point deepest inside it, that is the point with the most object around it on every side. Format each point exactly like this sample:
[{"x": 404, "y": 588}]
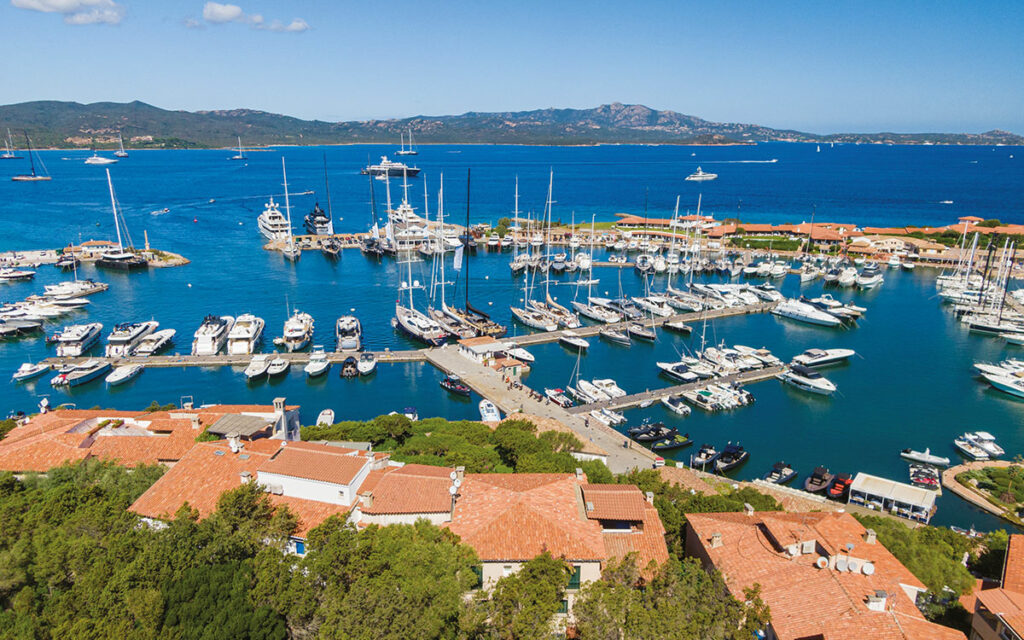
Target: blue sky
[{"x": 814, "y": 66}]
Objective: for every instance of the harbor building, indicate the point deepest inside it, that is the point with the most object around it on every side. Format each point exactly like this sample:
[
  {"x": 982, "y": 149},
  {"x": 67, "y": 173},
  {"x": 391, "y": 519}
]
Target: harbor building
[
  {"x": 823, "y": 575},
  {"x": 999, "y": 613},
  {"x": 898, "y": 498}
]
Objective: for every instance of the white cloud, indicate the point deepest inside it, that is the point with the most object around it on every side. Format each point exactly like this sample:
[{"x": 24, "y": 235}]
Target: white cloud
[
  {"x": 192, "y": 23},
  {"x": 77, "y": 11},
  {"x": 217, "y": 13}
]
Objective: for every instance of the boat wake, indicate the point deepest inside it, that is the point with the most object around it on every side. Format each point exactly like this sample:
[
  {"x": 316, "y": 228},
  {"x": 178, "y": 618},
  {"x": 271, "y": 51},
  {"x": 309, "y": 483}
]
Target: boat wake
[{"x": 772, "y": 161}]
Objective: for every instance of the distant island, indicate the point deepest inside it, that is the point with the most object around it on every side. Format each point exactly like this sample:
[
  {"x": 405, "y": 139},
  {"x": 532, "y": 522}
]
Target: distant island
[{"x": 71, "y": 124}]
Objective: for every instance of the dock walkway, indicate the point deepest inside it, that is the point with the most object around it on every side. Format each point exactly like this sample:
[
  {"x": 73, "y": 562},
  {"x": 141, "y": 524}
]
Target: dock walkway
[
  {"x": 975, "y": 498},
  {"x": 489, "y": 383},
  {"x": 655, "y": 395}
]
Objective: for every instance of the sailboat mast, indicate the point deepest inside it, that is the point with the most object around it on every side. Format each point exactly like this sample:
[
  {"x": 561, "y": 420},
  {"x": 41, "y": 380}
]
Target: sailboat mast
[
  {"x": 468, "y": 175},
  {"x": 287, "y": 203},
  {"x": 113, "y": 205},
  {"x": 547, "y": 238},
  {"x": 327, "y": 188},
  {"x": 440, "y": 237},
  {"x": 31, "y": 161}
]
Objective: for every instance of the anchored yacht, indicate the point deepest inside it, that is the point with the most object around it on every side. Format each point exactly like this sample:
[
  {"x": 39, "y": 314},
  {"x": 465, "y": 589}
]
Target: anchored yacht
[
  {"x": 700, "y": 176},
  {"x": 390, "y": 168}
]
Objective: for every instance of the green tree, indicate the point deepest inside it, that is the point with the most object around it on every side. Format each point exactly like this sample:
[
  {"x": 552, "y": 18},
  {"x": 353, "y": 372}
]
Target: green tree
[{"x": 523, "y": 604}]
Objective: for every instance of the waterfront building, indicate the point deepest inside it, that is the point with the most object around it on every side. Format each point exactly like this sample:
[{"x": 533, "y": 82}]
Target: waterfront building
[
  {"x": 999, "y": 613},
  {"x": 823, "y": 575},
  {"x": 888, "y": 496}
]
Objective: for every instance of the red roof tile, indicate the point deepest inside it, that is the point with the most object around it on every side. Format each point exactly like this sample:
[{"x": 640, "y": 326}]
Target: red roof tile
[
  {"x": 319, "y": 462},
  {"x": 613, "y": 502},
  {"x": 414, "y": 488},
  {"x": 1013, "y": 565}
]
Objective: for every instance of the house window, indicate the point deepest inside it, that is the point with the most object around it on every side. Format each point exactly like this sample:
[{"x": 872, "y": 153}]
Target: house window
[
  {"x": 479, "y": 572},
  {"x": 1006, "y": 633},
  {"x": 616, "y": 526},
  {"x": 300, "y": 547},
  {"x": 506, "y": 570},
  {"x": 563, "y": 606},
  {"x": 574, "y": 581}
]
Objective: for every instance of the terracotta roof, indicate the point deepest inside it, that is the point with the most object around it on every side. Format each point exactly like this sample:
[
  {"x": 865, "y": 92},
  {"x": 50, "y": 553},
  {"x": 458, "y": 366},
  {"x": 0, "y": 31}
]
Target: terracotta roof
[
  {"x": 613, "y": 502},
  {"x": 885, "y": 231},
  {"x": 1013, "y": 566},
  {"x": 646, "y": 541},
  {"x": 1009, "y": 605},
  {"x": 414, "y": 488},
  {"x": 479, "y": 340},
  {"x": 515, "y": 517},
  {"x": 208, "y": 470},
  {"x": 319, "y": 462},
  {"x": 805, "y": 601}
]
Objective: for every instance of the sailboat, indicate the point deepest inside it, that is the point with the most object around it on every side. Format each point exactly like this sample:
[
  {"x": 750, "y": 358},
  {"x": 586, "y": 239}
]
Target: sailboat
[
  {"x": 559, "y": 313},
  {"x": 239, "y": 155},
  {"x": 32, "y": 177},
  {"x": 120, "y": 259},
  {"x": 412, "y": 322},
  {"x": 330, "y": 247},
  {"x": 588, "y": 309},
  {"x": 407, "y": 152},
  {"x": 9, "y": 151},
  {"x": 480, "y": 322},
  {"x": 290, "y": 250},
  {"x": 120, "y": 153},
  {"x": 371, "y": 245}
]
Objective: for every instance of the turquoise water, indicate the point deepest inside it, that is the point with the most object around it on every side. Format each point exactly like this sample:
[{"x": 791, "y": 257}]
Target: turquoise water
[{"x": 910, "y": 386}]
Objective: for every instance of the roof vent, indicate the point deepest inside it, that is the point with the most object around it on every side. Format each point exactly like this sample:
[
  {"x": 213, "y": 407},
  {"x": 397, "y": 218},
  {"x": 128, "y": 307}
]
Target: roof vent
[
  {"x": 870, "y": 537},
  {"x": 716, "y": 540},
  {"x": 808, "y": 546},
  {"x": 245, "y": 476},
  {"x": 218, "y": 452}
]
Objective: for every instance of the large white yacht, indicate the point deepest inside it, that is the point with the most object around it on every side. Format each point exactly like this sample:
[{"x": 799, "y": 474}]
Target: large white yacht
[
  {"x": 245, "y": 335},
  {"x": 870, "y": 277},
  {"x": 808, "y": 379},
  {"x": 211, "y": 335},
  {"x": 154, "y": 343},
  {"x": 298, "y": 331},
  {"x": 126, "y": 336},
  {"x": 700, "y": 176},
  {"x": 272, "y": 223},
  {"x": 803, "y": 312},
  {"x": 390, "y": 168},
  {"x": 77, "y": 339},
  {"x": 349, "y": 333},
  {"x": 823, "y": 357}
]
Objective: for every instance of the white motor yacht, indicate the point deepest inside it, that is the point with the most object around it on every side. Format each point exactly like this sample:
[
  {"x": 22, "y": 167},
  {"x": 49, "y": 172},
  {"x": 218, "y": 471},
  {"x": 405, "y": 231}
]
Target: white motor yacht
[
  {"x": 573, "y": 340},
  {"x": 986, "y": 441},
  {"x": 807, "y": 379},
  {"x": 1011, "y": 383},
  {"x": 257, "y": 366},
  {"x": 124, "y": 374},
  {"x": 701, "y": 176},
  {"x": 489, "y": 411},
  {"x": 273, "y": 224},
  {"x": 349, "y": 333},
  {"x": 77, "y": 339},
  {"x": 847, "y": 277},
  {"x": 870, "y": 277},
  {"x": 318, "y": 363},
  {"x": 803, "y": 312},
  {"x": 967, "y": 446},
  {"x": 278, "y": 366},
  {"x": 326, "y": 418},
  {"x": 246, "y": 335},
  {"x": 126, "y": 336},
  {"x": 366, "y": 364},
  {"x": 823, "y": 357},
  {"x": 28, "y": 371},
  {"x": 298, "y": 331},
  {"x": 609, "y": 386},
  {"x": 155, "y": 343},
  {"x": 519, "y": 353},
  {"x": 212, "y": 335},
  {"x": 588, "y": 392}
]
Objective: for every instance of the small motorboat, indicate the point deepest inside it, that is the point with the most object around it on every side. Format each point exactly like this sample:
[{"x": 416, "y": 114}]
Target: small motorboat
[
  {"x": 489, "y": 411},
  {"x": 840, "y": 486},
  {"x": 925, "y": 475},
  {"x": 558, "y": 397},
  {"x": 676, "y": 405},
  {"x": 615, "y": 336},
  {"x": 278, "y": 367},
  {"x": 28, "y": 371},
  {"x": 325, "y": 418},
  {"x": 411, "y": 413},
  {"x": 257, "y": 366},
  {"x": 823, "y": 357},
  {"x": 780, "y": 473},
  {"x": 454, "y": 385},
  {"x": 79, "y": 374},
  {"x": 349, "y": 368},
  {"x": 658, "y": 432},
  {"x": 572, "y": 340},
  {"x": 733, "y": 455},
  {"x": 707, "y": 454},
  {"x": 124, "y": 374},
  {"x": 318, "y": 363},
  {"x": 819, "y": 480},
  {"x": 969, "y": 448},
  {"x": 678, "y": 326},
  {"x": 367, "y": 364},
  {"x": 924, "y": 457},
  {"x": 677, "y": 441},
  {"x": 519, "y": 354},
  {"x": 640, "y": 332}
]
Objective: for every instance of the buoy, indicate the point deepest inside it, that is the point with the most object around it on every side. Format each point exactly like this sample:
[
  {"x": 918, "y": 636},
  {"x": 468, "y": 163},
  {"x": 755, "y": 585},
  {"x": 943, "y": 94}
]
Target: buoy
[
  {"x": 190, "y": 285},
  {"x": 195, "y": 219}
]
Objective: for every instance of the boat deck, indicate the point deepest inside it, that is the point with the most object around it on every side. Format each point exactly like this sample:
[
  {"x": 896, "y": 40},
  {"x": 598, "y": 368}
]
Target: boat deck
[{"x": 635, "y": 399}]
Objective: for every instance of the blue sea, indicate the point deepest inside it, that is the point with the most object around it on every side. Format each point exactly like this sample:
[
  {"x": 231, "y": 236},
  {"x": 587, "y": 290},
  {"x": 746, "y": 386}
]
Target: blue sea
[{"x": 911, "y": 384}]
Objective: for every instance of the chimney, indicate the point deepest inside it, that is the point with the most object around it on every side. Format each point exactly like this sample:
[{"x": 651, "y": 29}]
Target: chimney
[
  {"x": 748, "y": 509},
  {"x": 234, "y": 443},
  {"x": 245, "y": 476},
  {"x": 869, "y": 536},
  {"x": 367, "y": 499},
  {"x": 650, "y": 497},
  {"x": 279, "y": 406},
  {"x": 579, "y": 474},
  {"x": 460, "y": 474},
  {"x": 196, "y": 425},
  {"x": 876, "y": 601},
  {"x": 716, "y": 540}
]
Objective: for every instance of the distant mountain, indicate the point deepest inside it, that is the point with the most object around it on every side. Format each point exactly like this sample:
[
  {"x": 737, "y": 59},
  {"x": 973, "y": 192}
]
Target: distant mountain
[{"x": 70, "y": 124}]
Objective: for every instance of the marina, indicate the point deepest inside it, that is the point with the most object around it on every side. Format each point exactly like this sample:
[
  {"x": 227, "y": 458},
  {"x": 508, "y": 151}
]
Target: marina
[{"x": 782, "y": 424}]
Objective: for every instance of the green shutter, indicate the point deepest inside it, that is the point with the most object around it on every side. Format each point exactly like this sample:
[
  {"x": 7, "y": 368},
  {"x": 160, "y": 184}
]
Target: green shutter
[{"x": 574, "y": 581}]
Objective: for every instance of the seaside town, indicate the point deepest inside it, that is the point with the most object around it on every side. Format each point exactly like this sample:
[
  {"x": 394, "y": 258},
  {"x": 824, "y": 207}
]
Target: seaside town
[{"x": 288, "y": 361}]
